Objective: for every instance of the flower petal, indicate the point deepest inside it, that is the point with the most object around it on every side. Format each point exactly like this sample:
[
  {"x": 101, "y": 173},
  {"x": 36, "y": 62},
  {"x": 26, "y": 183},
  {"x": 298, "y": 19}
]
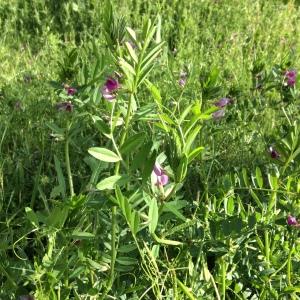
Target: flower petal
[
  {"x": 157, "y": 169},
  {"x": 164, "y": 179}
]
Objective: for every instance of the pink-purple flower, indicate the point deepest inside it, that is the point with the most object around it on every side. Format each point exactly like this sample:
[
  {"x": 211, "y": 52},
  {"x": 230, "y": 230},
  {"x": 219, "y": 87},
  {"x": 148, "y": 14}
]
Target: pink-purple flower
[
  {"x": 160, "y": 175},
  {"x": 290, "y": 77},
  {"x": 65, "y": 106},
  {"x": 109, "y": 89},
  {"x": 219, "y": 114},
  {"x": 273, "y": 153},
  {"x": 291, "y": 220},
  {"x": 182, "y": 82},
  {"x": 182, "y": 79},
  {"x": 223, "y": 102},
  {"x": 71, "y": 91}
]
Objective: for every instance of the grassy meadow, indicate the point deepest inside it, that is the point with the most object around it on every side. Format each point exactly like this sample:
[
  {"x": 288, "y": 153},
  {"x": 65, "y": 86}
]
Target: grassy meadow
[{"x": 149, "y": 149}]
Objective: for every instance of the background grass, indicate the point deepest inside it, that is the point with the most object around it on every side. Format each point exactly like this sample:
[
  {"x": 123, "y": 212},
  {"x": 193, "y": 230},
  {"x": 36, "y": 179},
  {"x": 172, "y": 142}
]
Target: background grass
[{"x": 229, "y": 242}]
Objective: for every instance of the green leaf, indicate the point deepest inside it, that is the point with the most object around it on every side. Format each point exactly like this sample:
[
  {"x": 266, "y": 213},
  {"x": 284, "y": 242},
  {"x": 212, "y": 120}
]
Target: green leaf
[
  {"x": 158, "y": 30},
  {"x": 133, "y": 143},
  {"x": 102, "y": 126},
  {"x": 273, "y": 181},
  {"x": 245, "y": 177},
  {"x": 132, "y": 33},
  {"x": 60, "y": 177},
  {"x": 155, "y": 92},
  {"x": 191, "y": 138},
  {"x": 98, "y": 266},
  {"x": 153, "y": 215},
  {"x": 119, "y": 196},
  {"x": 31, "y": 216},
  {"x": 256, "y": 199},
  {"x": 55, "y": 128},
  {"x": 127, "y": 68},
  {"x": 182, "y": 169},
  {"x": 109, "y": 183},
  {"x": 82, "y": 235},
  {"x": 259, "y": 177},
  {"x": 171, "y": 207},
  {"x": 135, "y": 223},
  {"x": 292, "y": 289},
  {"x": 131, "y": 52},
  {"x": 194, "y": 153},
  {"x": 104, "y": 154},
  {"x": 230, "y": 205},
  {"x": 127, "y": 248},
  {"x": 185, "y": 113},
  {"x": 167, "y": 119},
  {"x": 185, "y": 290},
  {"x": 96, "y": 96},
  {"x": 127, "y": 261},
  {"x": 57, "y": 217},
  {"x": 166, "y": 242},
  {"x": 151, "y": 56},
  {"x": 148, "y": 165}
]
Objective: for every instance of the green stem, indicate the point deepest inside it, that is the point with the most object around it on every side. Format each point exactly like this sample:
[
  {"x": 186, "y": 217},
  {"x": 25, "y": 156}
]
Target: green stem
[
  {"x": 215, "y": 287},
  {"x": 223, "y": 270},
  {"x": 114, "y": 208},
  {"x": 289, "y": 266},
  {"x": 68, "y": 166},
  {"x": 113, "y": 252},
  {"x": 267, "y": 247},
  {"x": 124, "y": 133}
]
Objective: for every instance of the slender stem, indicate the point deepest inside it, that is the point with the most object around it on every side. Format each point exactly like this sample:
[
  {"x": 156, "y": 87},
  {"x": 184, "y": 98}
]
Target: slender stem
[
  {"x": 215, "y": 287},
  {"x": 223, "y": 268},
  {"x": 289, "y": 266},
  {"x": 124, "y": 133},
  {"x": 68, "y": 166},
  {"x": 127, "y": 119},
  {"x": 114, "y": 208},
  {"x": 284, "y": 111},
  {"x": 113, "y": 252},
  {"x": 267, "y": 247}
]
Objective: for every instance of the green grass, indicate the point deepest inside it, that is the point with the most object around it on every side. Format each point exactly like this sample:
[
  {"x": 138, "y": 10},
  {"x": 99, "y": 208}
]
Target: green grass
[{"x": 70, "y": 230}]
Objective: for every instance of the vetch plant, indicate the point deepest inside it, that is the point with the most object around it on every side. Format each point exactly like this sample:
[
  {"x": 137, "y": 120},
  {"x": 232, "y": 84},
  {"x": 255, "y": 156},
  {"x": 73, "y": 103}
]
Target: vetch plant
[
  {"x": 273, "y": 153},
  {"x": 65, "y": 106},
  {"x": 136, "y": 65},
  {"x": 292, "y": 221},
  {"x": 290, "y": 77},
  {"x": 219, "y": 114},
  {"x": 223, "y": 102},
  {"x": 71, "y": 91},
  {"x": 161, "y": 178},
  {"x": 109, "y": 89}
]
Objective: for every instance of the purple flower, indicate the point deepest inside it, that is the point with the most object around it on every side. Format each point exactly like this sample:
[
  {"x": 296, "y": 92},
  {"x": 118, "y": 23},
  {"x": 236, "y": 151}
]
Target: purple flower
[
  {"x": 291, "y": 73},
  {"x": 291, "y": 81},
  {"x": 110, "y": 87},
  {"x": 219, "y": 114},
  {"x": 182, "y": 82},
  {"x": 71, "y": 91},
  {"x": 161, "y": 177},
  {"x": 65, "y": 106},
  {"x": 290, "y": 77},
  {"x": 182, "y": 79},
  {"x": 273, "y": 153},
  {"x": 292, "y": 221},
  {"x": 223, "y": 102}
]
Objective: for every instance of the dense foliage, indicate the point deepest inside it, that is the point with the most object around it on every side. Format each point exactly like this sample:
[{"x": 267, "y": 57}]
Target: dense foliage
[{"x": 149, "y": 150}]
